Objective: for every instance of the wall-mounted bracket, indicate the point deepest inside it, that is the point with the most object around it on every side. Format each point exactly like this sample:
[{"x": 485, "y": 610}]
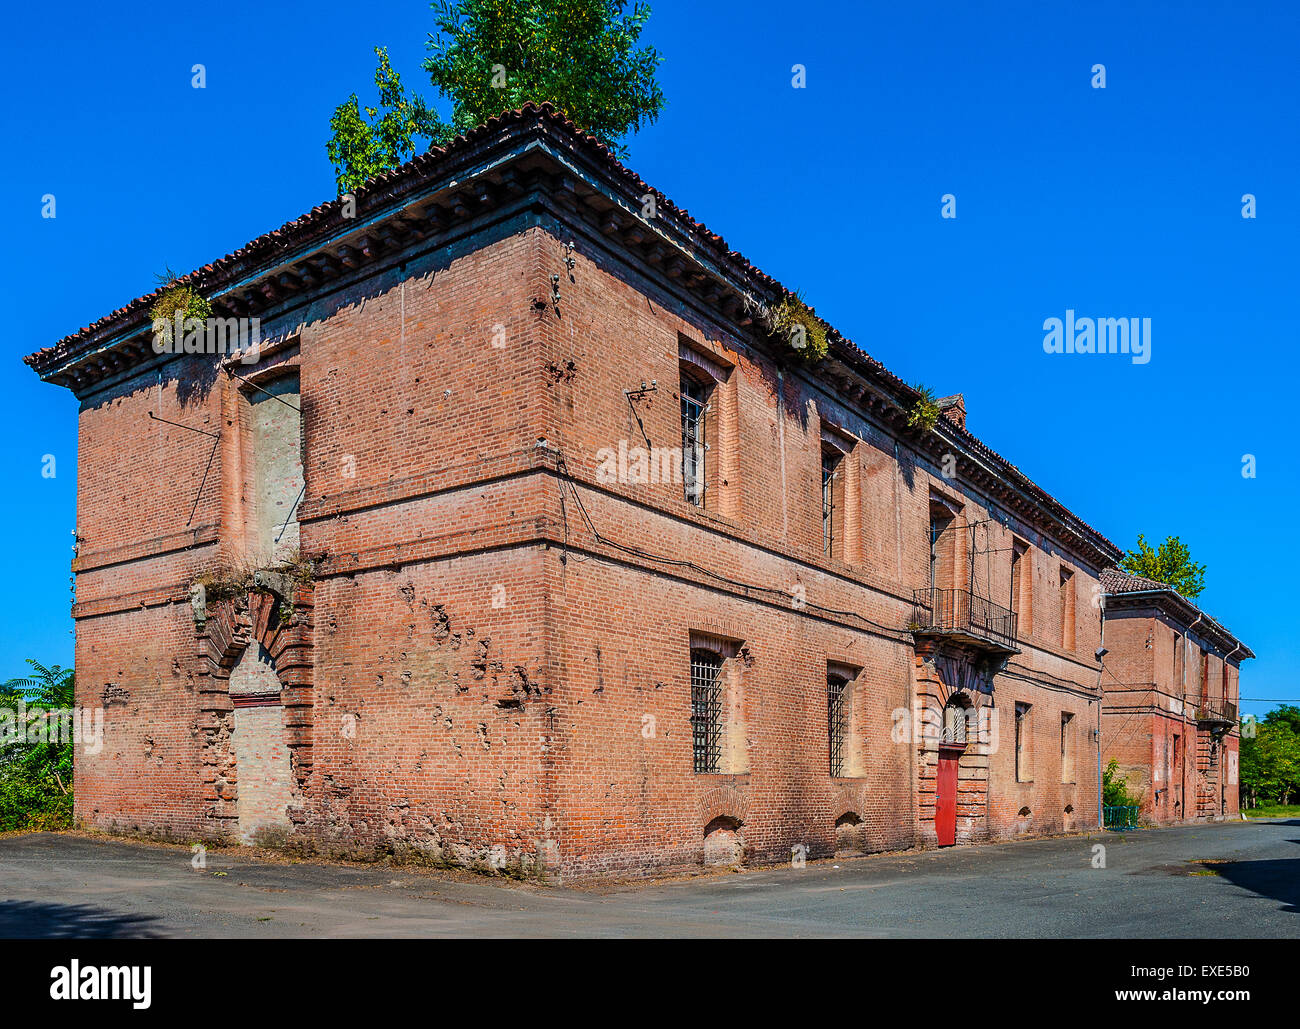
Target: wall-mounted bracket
[{"x": 637, "y": 394}]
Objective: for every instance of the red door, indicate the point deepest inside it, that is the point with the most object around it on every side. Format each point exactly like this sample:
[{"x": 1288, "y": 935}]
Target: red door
[{"x": 945, "y": 799}]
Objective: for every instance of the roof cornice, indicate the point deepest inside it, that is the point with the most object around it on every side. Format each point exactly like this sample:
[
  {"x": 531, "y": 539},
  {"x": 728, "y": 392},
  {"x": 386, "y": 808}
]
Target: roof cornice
[
  {"x": 1189, "y": 617},
  {"x": 437, "y": 193}
]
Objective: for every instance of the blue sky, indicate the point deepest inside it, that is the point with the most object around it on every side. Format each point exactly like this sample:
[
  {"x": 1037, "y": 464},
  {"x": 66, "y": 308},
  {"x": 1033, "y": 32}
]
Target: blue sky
[{"x": 1115, "y": 202}]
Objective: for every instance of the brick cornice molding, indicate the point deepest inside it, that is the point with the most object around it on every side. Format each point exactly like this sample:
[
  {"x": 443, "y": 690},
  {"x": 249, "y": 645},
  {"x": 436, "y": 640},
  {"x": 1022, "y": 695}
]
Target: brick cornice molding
[{"x": 535, "y": 151}]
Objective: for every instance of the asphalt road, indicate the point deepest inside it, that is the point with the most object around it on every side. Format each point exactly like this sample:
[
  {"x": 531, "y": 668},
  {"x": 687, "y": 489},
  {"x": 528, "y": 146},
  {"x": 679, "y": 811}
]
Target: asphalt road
[{"x": 1223, "y": 880}]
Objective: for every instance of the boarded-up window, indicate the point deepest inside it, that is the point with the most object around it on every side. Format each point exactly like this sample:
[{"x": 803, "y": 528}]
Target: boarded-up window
[{"x": 276, "y": 425}]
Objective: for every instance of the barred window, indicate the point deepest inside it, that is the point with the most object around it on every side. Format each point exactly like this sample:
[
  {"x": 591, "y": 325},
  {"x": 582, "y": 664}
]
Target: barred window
[
  {"x": 695, "y": 398},
  {"x": 954, "y": 722},
  {"x": 830, "y": 516},
  {"x": 706, "y": 709},
  {"x": 836, "y": 687}
]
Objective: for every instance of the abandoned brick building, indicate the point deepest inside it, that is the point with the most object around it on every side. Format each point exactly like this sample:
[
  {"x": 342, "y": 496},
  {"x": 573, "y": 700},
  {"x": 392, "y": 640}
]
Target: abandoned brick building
[
  {"x": 1170, "y": 713},
  {"x": 562, "y": 562}
]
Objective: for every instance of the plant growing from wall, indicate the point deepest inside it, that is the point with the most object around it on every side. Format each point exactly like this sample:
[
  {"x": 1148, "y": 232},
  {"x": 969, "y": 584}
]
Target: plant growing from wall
[
  {"x": 925, "y": 411},
  {"x": 793, "y": 322},
  {"x": 175, "y": 298},
  {"x": 233, "y": 579}
]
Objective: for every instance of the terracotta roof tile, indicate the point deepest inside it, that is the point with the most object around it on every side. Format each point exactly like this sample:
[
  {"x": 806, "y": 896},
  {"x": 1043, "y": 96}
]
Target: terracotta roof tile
[{"x": 322, "y": 215}]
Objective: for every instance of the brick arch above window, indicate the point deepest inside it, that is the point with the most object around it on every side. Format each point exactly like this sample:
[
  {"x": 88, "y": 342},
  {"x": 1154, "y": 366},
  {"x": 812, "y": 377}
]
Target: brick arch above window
[
  {"x": 224, "y": 630},
  {"x": 724, "y": 802}
]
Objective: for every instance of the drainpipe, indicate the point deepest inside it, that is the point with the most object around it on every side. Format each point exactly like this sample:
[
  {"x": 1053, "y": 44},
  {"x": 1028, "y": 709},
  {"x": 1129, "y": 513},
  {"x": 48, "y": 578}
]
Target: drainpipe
[{"x": 1101, "y": 658}]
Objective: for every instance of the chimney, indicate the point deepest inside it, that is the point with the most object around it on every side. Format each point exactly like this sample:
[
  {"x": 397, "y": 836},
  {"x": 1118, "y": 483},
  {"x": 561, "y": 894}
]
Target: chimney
[{"x": 954, "y": 409}]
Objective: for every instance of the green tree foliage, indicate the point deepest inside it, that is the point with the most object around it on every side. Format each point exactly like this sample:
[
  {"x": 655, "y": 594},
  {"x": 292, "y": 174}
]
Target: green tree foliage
[
  {"x": 581, "y": 55},
  {"x": 489, "y": 56},
  {"x": 1270, "y": 760},
  {"x": 364, "y": 146},
  {"x": 1171, "y": 563},
  {"x": 1287, "y": 714},
  {"x": 1114, "y": 788},
  {"x": 36, "y": 763},
  {"x": 925, "y": 412}
]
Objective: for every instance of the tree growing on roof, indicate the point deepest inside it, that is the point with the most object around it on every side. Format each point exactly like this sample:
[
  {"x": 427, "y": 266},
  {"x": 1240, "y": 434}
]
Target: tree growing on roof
[
  {"x": 362, "y": 147},
  {"x": 1172, "y": 564},
  {"x": 489, "y": 56}
]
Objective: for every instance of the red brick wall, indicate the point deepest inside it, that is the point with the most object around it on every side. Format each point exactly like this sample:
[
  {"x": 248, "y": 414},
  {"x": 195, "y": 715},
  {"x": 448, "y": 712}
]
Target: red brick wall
[
  {"x": 145, "y": 776},
  {"x": 625, "y": 619},
  {"x": 1148, "y": 702},
  {"x": 493, "y": 685}
]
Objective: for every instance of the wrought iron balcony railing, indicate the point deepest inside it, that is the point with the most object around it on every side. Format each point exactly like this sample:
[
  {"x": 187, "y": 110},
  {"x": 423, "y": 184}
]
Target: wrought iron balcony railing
[
  {"x": 1217, "y": 711},
  {"x": 961, "y": 613}
]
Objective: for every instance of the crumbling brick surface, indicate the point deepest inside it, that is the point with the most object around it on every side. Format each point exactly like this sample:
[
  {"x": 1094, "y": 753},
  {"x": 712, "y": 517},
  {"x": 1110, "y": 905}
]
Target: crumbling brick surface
[
  {"x": 493, "y": 666},
  {"x": 1181, "y": 768}
]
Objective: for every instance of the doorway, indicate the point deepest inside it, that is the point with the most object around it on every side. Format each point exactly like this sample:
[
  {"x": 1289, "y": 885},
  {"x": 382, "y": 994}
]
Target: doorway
[{"x": 951, "y": 747}]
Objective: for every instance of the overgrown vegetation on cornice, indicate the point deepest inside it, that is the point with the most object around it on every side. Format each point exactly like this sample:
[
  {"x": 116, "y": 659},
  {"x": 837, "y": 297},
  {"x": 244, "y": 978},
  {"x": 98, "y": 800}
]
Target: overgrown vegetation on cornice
[
  {"x": 227, "y": 580},
  {"x": 177, "y": 299},
  {"x": 792, "y": 322},
  {"x": 925, "y": 411}
]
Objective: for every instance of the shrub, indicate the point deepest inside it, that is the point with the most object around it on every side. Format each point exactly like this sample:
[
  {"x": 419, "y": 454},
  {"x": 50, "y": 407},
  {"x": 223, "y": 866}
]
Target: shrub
[
  {"x": 1114, "y": 788},
  {"x": 33, "y": 803},
  {"x": 925, "y": 412},
  {"x": 793, "y": 321},
  {"x": 176, "y": 298}
]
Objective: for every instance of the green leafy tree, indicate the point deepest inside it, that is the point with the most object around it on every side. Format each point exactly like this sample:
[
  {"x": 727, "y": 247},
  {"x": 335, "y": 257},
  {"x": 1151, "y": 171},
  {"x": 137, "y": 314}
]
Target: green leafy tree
[
  {"x": 1286, "y": 714},
  {"x": 36, "y": 766},
  {"x": 1270, "y": 763},
  {"x": 1171, "y": 563},
  {"x": 367, "y": 143},
  {"x": 489, "y": 56},
  {"x": 1114, "y": 788},
  {"x": 581, "y": 55}
]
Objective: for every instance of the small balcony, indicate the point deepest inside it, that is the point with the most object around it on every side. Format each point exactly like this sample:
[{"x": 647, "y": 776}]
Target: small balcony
[
  {"x": 964, "y": 617},
  {"x": 1216, "y": 715}
]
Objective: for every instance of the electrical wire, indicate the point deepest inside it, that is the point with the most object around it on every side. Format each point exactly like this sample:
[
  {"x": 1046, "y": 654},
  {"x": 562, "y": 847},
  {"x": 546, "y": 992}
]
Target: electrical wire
[{"x": 562, "y": 468}]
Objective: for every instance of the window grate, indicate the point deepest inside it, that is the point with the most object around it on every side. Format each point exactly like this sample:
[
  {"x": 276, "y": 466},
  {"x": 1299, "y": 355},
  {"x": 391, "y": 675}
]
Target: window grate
[
  {"x": 835, "y": 717},
  {"x": 706, "y": 710},
  {"x": 694, "y": 399},
  {"x": 830, "y": 465},
  {"x": 954, "y": 723}
]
